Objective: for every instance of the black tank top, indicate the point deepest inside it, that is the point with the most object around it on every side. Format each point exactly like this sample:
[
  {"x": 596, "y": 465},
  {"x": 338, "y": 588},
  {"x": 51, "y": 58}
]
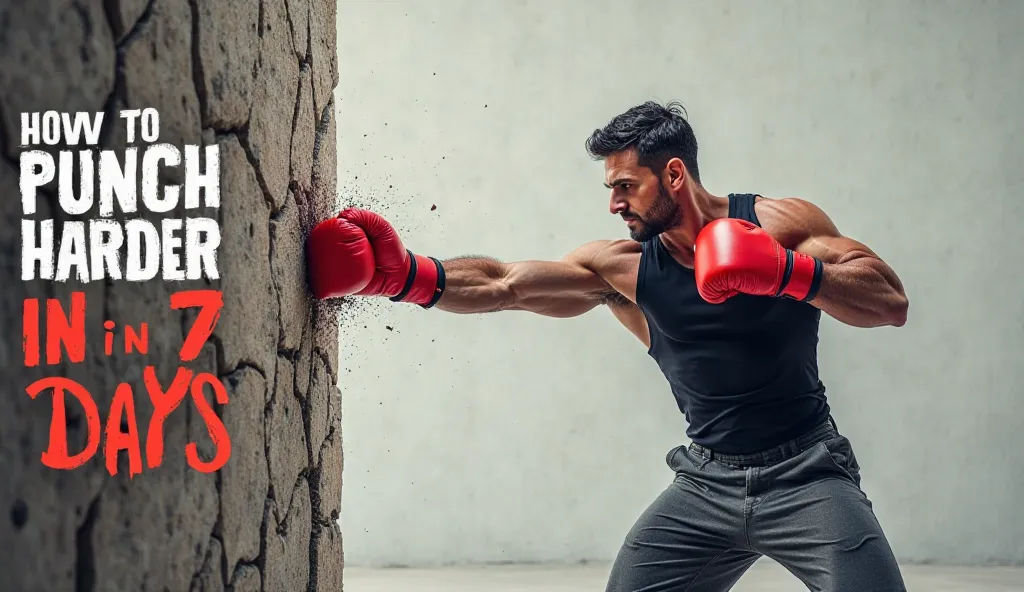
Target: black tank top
[{"x": 745, "y": 372}]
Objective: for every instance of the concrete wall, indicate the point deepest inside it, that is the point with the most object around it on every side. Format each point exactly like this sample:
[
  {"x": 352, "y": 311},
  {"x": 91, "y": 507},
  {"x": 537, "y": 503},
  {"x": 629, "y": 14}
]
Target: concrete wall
[
  {"x": 513, "y": 438},
  {"x": 256, "y": 77}
]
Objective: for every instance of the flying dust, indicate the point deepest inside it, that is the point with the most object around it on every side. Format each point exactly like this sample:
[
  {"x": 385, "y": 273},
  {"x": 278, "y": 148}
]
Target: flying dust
[{"x": 355, "y": 311}]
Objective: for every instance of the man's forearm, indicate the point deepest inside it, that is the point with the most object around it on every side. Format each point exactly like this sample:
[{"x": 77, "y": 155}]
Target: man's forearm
[
  {"x": 474, "y": 285},
  {"x": 862, "y": 292}
]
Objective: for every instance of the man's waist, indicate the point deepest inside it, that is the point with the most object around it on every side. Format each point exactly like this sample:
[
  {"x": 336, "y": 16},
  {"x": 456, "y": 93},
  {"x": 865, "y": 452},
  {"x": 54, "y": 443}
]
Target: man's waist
[{"x": 822, "y": 431}]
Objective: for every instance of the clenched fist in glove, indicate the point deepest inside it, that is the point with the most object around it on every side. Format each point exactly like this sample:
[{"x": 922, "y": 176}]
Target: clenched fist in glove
[
  {"x": 736, "y": 257},
  {"x": 359, "y": 253}
]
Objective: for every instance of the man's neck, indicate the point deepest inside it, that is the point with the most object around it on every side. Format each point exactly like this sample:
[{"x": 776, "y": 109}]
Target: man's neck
[{"x": 699, "y": 207}]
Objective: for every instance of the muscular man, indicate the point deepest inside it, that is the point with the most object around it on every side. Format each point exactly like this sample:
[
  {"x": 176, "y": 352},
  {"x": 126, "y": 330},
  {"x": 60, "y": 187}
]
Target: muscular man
[{"x": 726, "y": 293}]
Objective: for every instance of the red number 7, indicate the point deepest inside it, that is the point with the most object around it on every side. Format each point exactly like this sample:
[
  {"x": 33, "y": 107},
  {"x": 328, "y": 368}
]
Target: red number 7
[{"x": 209, "y": 302}]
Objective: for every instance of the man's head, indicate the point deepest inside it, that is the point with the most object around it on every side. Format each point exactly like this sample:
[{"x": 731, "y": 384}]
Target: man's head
[{"x": 649, "y": 153}]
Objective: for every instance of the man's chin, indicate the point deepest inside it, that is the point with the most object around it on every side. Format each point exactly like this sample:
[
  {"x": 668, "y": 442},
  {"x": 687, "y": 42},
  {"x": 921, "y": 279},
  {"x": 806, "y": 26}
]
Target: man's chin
[{"x": 642, "y": 235}]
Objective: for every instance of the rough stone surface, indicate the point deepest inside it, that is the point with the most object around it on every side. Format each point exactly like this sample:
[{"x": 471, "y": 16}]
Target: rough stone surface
[
  {"x": 244, "y": 479},
  {"x": 210, "y": 578},
  {"x": 286, "y": 436},
  {"x": 250, "y": 305},
  {"x": 124, "y": 14},
  {"x": 326, "y": 340},
  {"x": 158, "y": 73},
  {"x": 228, "y": 52},
  {"x": 273, "y": 107},
  {"x": 298, "y": 16},
  {"x": 318, "y": 405},
  {"x": 287, "y": 537},
  {"x": 220, "y": 75},
  {"x": 325, "y": 167},
  {"x": 289, "y": 273},
  {"x": 304, "y": 138},
  {"x": 323, "y": 39},
  {"x": 42, "y": 509},
  {"x": 246, "y": 579},
  {"x": 304, "y": 360},
  {"x": 173, "y": 505},
  {"x": 10, "y": 242},
  {"x": 326, "y": 573},
  {"x": 57, "y": 54},
  {"x": 327, "y": 505}
]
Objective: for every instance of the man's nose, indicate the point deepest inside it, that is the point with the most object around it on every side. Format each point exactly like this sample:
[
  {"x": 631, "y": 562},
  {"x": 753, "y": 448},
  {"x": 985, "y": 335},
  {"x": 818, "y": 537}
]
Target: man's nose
[{"x": 616, "y": 206}]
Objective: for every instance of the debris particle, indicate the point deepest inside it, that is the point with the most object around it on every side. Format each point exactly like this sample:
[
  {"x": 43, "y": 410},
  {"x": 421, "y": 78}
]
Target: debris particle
[
  {"x": 389, "y": 328},
  {"x": 433, "y": 207}
]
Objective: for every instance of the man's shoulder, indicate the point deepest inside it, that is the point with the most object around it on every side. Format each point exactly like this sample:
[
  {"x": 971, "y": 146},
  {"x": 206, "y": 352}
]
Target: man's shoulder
[
  {"x": 611, "y": 253},
  {"x": 617, "y": 261},
  {"x": 620, "y": 246},
  {"x": 793, "y": 206},
  {"x": 791, "y": 220}
]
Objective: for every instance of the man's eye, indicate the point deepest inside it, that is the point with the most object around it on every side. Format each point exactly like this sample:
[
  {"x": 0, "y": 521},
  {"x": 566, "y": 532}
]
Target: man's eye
[{"x": 625, "y": 186}]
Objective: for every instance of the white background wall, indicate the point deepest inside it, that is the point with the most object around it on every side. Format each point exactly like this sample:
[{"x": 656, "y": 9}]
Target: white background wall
[{"x": 512, "y": 438}]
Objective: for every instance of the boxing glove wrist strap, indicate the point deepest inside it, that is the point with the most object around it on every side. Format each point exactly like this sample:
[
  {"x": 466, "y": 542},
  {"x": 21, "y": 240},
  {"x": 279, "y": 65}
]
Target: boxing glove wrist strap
[
  {"x": 425, "y": 283},
  {"x": 801, "y": 278}
]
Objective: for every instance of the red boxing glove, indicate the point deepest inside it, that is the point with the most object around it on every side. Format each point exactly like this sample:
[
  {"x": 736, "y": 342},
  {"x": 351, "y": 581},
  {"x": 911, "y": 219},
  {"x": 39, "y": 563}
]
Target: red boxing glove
[
  {"x": 398, "y": 274},
  {"x": 339, "y": 259},
  {"x": 736, "y": 257}
]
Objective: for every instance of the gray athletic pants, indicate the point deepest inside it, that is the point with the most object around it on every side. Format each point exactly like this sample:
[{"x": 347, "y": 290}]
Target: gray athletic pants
[{"x": 799, "y": 504}]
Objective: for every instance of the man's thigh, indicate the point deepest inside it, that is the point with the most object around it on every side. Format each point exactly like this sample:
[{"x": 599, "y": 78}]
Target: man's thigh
[
  {"x": 690, "y": 538},
  {"x": 814, "y": 519}
]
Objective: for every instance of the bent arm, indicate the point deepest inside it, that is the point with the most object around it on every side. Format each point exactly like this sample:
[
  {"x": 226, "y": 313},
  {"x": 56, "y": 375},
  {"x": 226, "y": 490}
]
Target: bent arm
[
  {"x": 861, "y": 290},
  {"x": 857, "y": 287},
  {"x": 565, "y": 288}
]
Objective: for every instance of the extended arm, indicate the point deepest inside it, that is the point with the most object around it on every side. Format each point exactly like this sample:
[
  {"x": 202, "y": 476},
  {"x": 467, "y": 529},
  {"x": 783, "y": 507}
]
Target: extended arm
[
  {"x": 565, "y": 288},
  {"x": 359, "y": 253}
]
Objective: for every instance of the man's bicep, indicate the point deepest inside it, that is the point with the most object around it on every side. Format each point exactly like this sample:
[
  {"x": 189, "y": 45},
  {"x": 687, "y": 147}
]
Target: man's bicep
[
  {"x": 834, "y": 249},
  {"x": 554, "y": 288},
  {"x": 815, "y": 234},
  {"x": 566, "y": 278}
]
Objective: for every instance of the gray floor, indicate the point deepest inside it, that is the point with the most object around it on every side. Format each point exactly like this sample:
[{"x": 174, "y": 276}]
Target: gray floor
[{"x": 765, "y": 576}]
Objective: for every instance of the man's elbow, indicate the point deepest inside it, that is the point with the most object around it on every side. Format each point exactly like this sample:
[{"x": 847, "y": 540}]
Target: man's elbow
[{"x": 896, "y": 315}]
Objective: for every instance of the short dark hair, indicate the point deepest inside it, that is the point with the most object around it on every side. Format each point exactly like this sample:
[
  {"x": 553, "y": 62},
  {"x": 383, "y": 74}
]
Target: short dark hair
[{"x": 658, "y": 133}]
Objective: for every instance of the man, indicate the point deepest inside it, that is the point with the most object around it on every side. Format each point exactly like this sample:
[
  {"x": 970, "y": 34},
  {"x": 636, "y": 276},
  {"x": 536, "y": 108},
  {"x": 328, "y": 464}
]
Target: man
[{"x": 726, "y": 293}]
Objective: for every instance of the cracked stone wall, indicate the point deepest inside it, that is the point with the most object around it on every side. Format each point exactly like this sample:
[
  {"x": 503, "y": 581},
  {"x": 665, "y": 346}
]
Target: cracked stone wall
[{"x": 256, "y": 77}]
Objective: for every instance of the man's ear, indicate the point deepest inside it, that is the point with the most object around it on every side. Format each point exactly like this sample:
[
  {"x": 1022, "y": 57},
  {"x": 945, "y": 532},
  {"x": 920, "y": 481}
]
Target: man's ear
[{"x": 674, "y": 174}]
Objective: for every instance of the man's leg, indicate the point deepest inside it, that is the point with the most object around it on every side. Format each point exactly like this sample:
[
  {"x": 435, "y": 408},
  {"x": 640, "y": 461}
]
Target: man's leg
[
  {"x": 809, "y": 514},
  {"x": 690, "y": 538}
]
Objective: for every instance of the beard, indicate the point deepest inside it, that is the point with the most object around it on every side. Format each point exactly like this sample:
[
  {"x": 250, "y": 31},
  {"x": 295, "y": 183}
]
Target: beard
[{"x": 664, "y": 214}]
